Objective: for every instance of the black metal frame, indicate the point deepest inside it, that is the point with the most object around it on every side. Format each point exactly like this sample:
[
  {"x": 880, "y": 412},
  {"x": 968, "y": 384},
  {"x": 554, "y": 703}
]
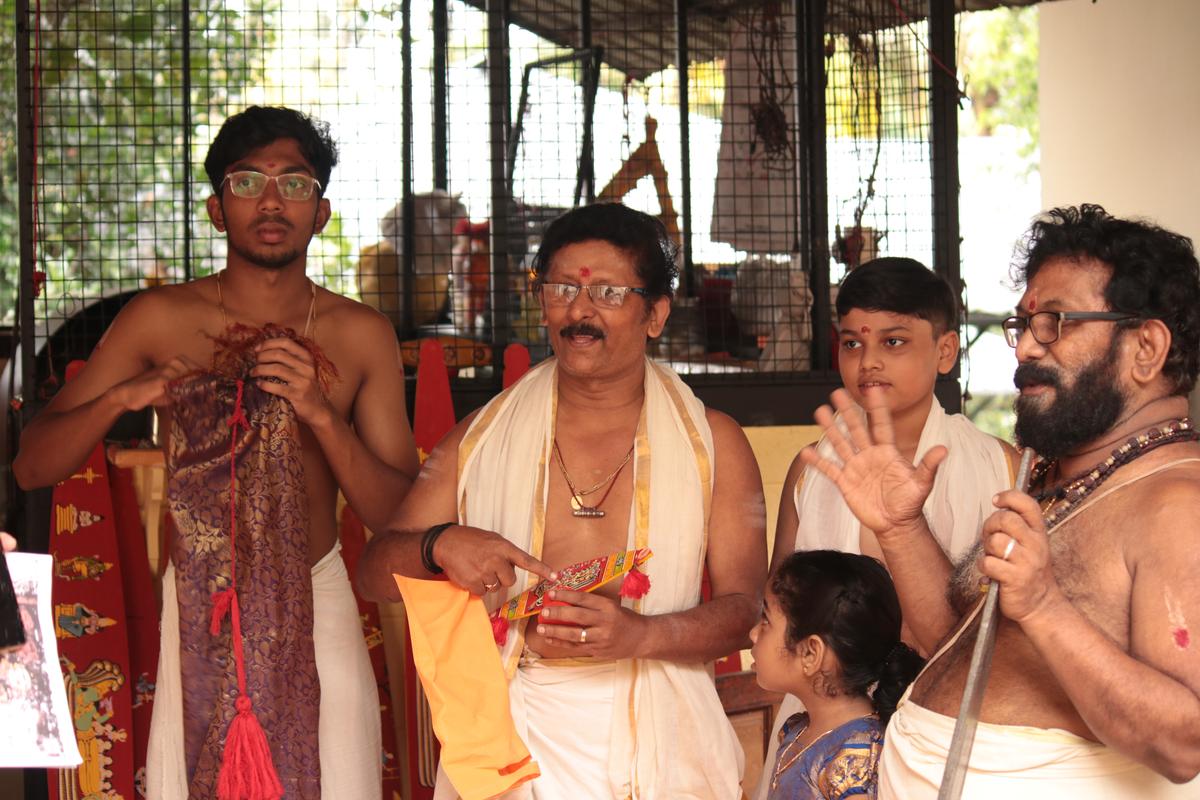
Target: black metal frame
[{"x": 778, "y": 398}]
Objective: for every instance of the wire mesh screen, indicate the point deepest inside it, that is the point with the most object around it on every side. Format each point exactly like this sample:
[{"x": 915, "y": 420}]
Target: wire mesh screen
[
  {"x": 878, "y": 125},
  {"x": 128, "y": 97}
]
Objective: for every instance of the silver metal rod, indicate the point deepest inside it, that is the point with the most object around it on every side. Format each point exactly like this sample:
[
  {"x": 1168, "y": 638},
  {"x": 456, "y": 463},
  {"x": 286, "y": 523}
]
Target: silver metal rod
[{"x": 977, "y": 676}]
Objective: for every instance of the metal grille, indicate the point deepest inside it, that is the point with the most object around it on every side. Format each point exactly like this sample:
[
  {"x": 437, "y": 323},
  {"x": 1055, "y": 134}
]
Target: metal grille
[{"x": 463, "y": 128}]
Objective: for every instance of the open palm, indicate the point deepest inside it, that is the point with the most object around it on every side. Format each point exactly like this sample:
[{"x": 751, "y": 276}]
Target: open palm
[{"x": 878, "y": 483}]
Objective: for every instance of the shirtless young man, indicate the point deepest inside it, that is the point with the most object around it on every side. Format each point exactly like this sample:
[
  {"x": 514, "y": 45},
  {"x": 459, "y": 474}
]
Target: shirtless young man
[
  {"x": 269, "y": 168},
  {"x": 619, "y": 700},
  {"x": 1095, "y": 684}
]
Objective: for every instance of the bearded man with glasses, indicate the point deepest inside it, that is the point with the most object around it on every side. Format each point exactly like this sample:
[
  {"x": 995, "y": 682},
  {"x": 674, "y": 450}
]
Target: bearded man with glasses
[
  {"x": 598, "y": 450},
  {"x": 1095, "y": 683},
  {"x": 272, "y": 394}
]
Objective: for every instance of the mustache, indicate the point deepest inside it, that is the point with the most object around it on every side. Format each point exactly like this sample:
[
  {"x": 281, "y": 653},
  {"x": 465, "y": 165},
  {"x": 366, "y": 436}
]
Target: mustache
[
  {"x": 272, "y": 219},
  {"x": 1028, "y": 374},
  {"x": 581, "y": 329}
]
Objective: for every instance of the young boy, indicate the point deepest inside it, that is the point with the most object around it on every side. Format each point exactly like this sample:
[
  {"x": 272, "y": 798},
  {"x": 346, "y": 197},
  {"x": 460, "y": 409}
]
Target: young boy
[{"x": 897, "y": 331}]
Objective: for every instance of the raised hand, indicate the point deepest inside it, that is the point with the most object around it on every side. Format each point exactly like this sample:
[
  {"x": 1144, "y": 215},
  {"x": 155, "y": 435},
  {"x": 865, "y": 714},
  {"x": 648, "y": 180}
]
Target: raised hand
[{"x": 878, "y": 483}]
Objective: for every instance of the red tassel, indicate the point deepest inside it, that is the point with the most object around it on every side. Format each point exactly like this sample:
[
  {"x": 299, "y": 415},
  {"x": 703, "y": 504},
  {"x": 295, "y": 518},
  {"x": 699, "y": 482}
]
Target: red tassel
[
  {"x": 221, "y": 602},
  {"x": 499, "y": 629},
  {"x": 247, "y": 772},
  {"x": 635, "y": 585}
]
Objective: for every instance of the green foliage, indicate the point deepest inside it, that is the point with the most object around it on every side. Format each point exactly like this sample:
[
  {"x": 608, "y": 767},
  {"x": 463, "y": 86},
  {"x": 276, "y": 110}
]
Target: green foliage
[
  {"x": 332, "y": 252},
  {"x": 992, "y": 413},
  {"x": 9, "y": 243},
  {"x": 999, "y": 57},
  {"x": 111, "y": 138}
]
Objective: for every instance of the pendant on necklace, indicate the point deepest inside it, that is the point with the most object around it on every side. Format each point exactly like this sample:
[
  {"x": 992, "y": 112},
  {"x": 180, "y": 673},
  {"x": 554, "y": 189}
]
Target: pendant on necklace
[{"x": 578, "y": 509}]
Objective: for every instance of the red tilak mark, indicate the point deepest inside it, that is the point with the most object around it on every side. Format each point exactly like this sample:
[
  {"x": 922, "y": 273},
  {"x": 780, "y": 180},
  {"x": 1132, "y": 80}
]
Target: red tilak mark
[
  {"x": 1032, "y": 304},
  {"x": 583, "y": 273},
  {"x": 864, "y": 330},
  {"x": 1182, "y": 639}
]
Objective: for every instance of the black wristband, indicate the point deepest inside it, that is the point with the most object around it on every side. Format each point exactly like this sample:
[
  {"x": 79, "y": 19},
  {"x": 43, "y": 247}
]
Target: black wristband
[{"x": 427, "y": 542}]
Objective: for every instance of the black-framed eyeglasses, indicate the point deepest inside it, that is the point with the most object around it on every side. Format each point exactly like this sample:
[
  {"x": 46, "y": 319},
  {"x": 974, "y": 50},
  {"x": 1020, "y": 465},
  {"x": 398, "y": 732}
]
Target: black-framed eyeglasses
[
  {"x": 294, "y": 186},
  {"x": 1046, "y": 326},
  {"x": 603, "y": 295}
]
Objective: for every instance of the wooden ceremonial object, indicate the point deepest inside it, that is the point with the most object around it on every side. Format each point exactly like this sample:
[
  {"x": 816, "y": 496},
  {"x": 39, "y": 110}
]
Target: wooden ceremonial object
[
  {"x": 959, "y": 755},
  {"x": 149, "y": 468}
]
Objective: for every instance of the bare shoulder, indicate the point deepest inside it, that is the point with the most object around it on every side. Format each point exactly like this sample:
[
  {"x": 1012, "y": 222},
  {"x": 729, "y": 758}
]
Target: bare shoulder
[
  {"x": 726, "y": 432},
  {"x": 735, "y": 462},
  {"x": 357, "y": 338},
  {"x": 1159, "y": 507},
  {"x": 157, "y": 318},
  {"x": 350, "y": 317},
  {"x": 1010, "y": 452}
]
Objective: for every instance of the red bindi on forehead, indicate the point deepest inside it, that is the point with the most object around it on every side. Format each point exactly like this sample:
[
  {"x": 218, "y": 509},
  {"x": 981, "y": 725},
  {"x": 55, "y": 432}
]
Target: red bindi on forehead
[
  {"x": 864, "y": 330},
  {"x": 584, "y": 272}
]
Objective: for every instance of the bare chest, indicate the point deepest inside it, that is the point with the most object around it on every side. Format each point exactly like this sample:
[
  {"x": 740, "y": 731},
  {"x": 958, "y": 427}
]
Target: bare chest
[
  {"x": 1087, "y": 553},
  {"x": 195, "y": 338},
  {"x": 589, "y": 504}
]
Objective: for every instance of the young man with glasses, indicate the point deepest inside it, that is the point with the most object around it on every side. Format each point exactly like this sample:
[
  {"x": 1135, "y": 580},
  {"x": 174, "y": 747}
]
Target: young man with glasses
[
  {"x": 1095, "y": 682},
  {"x": 319, "y": 383},
  {"x": 595, "y": 451}
]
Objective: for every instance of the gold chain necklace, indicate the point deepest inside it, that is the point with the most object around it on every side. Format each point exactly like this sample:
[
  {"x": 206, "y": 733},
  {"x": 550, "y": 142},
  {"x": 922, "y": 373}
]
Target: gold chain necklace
[{"x": 578, "y": 507}]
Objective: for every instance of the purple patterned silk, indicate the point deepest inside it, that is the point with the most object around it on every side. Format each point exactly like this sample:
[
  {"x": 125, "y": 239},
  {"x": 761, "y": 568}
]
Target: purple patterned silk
[{"x": 274, "y": 582}]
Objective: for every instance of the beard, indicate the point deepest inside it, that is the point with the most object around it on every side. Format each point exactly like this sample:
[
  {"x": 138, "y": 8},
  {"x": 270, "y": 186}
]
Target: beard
[
  {"x": 1081, "y": 412},
  {"x": 265, "y": 260},
  {"x": 266, "y": 257}
]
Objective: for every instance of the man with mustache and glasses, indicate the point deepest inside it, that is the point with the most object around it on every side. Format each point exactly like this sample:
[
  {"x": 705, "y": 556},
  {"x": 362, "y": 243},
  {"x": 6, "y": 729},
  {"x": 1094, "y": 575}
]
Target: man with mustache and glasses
[
  {"x": 595, "y": 451},
  {"x": 309, "y": 409},
  {"x": 1095, "y": 684}
]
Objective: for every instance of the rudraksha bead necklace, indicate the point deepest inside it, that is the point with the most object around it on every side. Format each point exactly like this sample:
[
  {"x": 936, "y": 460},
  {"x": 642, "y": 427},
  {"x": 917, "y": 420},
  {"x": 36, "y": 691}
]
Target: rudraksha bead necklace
[{"x": 1064, "y": 499}]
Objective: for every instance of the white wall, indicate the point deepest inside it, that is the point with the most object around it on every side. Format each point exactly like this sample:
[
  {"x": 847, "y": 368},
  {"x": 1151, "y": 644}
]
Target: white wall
[{"x": 1119, "y": 93}]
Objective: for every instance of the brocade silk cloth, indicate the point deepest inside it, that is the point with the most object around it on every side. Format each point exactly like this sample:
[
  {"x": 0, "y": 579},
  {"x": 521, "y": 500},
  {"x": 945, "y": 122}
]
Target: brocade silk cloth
[
  {"x": 669, "y": 735},
  {"x": 841, "y": 764},
  {"x": 274, "y": 582}
]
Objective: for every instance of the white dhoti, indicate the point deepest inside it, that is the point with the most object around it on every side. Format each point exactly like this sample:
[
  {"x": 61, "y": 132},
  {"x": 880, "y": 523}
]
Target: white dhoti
[
  {"x": 349, "y": 733},
  {"x": 567, "y": 714},
  {"x": 1012, "y": 761}
]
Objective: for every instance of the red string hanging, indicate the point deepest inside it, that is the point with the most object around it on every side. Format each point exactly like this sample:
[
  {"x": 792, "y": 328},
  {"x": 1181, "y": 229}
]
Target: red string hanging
[{"x": 247, "y": 771}]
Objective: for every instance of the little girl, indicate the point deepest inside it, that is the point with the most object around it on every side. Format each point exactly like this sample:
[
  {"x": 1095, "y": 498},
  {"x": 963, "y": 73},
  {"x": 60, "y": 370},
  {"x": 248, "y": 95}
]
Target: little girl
[{"x": 830, "y": 635}]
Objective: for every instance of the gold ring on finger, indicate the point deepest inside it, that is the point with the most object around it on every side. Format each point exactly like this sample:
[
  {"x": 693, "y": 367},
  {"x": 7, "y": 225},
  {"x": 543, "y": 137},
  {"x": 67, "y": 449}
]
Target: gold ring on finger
[{"x": 583, "y": 635}]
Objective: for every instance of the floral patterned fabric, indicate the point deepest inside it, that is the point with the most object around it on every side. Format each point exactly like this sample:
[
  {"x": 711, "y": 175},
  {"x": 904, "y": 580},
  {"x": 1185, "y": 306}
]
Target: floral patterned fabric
[
  {"x": 843, "y": 763},
  {"x": 273, "y": 577}
]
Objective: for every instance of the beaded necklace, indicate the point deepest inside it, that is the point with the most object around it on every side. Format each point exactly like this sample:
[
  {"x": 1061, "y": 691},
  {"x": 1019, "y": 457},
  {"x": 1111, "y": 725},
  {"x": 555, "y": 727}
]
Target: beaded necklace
[{"x": 1066, "y": 497}]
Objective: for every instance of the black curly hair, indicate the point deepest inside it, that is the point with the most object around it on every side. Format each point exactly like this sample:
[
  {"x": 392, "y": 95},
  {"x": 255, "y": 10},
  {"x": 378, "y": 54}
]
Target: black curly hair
[
  {"x": 640, "y": 235},
  {"x": 1155, "y": 274},
  {"x": 258, "y": 126},
  {"x": 849, "y": 601}
]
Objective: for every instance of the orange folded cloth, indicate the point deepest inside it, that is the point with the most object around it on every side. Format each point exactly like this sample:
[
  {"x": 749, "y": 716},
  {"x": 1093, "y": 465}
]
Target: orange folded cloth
[{"x": 460, "y": 669}]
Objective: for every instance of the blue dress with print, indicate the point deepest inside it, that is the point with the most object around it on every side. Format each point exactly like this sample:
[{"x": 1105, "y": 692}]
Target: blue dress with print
[{"x": 842, "y": 763}]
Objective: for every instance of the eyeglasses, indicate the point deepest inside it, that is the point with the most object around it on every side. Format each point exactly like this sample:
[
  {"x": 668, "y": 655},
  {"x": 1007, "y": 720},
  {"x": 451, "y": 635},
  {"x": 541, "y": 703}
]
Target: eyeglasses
[
  {"x": 294, "y": 186},
  {"x": 603, "y": 295},
  {"x": 1046, "y": 326}
]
